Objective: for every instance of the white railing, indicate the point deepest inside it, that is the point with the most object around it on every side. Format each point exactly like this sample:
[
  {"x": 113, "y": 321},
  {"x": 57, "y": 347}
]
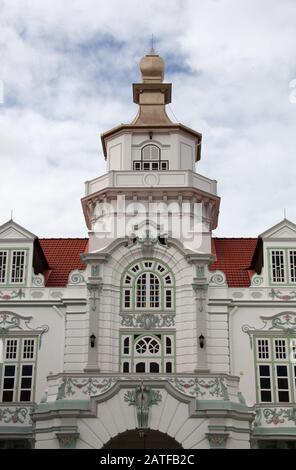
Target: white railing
[{"x": 167, "y": 179}]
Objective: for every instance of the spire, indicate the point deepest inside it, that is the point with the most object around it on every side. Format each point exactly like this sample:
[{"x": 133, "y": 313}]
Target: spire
[{"x": 152, "y": 94}]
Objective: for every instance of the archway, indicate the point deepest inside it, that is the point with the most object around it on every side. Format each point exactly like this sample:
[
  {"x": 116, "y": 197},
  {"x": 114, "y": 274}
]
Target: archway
[{"x": 144, "y": 439}]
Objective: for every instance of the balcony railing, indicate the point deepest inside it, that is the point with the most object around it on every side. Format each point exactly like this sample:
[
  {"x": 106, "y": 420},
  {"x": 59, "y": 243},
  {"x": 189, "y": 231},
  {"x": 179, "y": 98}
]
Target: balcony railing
[{"x": 69, "y": 386}]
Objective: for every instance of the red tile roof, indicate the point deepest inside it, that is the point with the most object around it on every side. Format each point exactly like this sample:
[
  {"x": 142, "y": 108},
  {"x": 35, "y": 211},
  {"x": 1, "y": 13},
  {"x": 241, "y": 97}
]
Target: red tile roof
[
  {"x": 63, "y": 256},
  {"x": 234, "y": 258}
]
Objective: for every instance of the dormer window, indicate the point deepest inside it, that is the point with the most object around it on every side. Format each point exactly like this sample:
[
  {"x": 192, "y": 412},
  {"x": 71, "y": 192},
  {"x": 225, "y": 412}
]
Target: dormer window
[
  {"x": 283, "y": 266},
  {"x": 151, "y": 160},
  {"x": 278, "y": 266},
  {"x": 12, "y": 266},
  {"x": 3, "y": 266}
]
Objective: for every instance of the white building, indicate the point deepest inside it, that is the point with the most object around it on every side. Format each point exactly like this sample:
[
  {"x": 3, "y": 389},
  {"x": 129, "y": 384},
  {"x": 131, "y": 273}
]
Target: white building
[{"x": 151, "y": 332}]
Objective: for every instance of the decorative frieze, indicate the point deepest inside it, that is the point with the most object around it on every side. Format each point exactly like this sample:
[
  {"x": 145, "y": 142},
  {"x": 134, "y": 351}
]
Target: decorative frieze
[
  {"x": 274, "y": 416},
  {"x": 143, "y": 398},
  {"x": 213, "y": 388},
  {"x": 16, "y": 414},
  {"x": 147, "y": 321},
  {"x": 277, "y": 294},
  {"x": 12, "y": 295},
  {"x": 89, "y": 386}
]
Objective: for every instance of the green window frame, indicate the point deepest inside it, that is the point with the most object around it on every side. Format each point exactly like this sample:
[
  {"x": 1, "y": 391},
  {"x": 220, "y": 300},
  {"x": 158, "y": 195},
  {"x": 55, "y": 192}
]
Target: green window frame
[
  {"x": 148, "y": 285},
  {"x": 147, "y": 349},
  {"x": 18, "y": 360},
  {"x": 282, "y": 266},
  {"x": 275, "y": 368},
  {"x": 13, "y": 266}
]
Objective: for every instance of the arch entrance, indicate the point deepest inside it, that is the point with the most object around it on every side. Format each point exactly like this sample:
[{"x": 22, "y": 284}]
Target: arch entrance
[{"x": 142, "y": 439}]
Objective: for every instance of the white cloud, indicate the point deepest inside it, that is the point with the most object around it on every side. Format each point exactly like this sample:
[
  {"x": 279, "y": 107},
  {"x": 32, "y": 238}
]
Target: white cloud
[{"x": 67, "y": 67}]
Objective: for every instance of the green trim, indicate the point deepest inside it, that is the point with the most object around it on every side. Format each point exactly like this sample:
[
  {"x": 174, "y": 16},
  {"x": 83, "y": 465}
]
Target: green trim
[
  {"x": 202, "y": 405},
  {"x": 273, "y": 362},
  {"x": 261, "y": 431},
  {"x": 19, "y": 362},
  {"x": 16, "y": 430},
  {"x": 64, "y": 405}
]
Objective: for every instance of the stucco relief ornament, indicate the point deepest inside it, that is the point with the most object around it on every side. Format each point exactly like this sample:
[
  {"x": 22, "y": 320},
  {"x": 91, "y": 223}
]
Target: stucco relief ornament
[
  {"x": 94, "y": 289},
  {"x": 285, "y": 321},
  {"x": 76, "y": 278},
  {"x": 256, "y": 280},
  {"x": 38, "y": 280},
  {"x": 15, "y": 415},
  {"x": 147, "y": 244},
  {"x": 13, "y": 321},
  {"x": 10, "y": 295},
  {"x": 196, "y": 387},
  {"x": 218, "y": 279},
  {"x": 279, "y": 295},
  {"x": 277, "y": 416},
  {"x": 200, "y": 292},
  {"x": 147, "y": 321},
  {"x": 143, "y": 398},
  {"x": 70, "y": 386}
]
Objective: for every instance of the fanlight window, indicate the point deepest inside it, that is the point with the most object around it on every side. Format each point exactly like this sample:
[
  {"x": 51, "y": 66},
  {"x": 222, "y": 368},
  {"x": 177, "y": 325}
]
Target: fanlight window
[
  {"x": 148, "y": 285},
  {"x": 147, "y": 346},
  {"x": 147, "y": 353},
  {"x": 150, "y": 152}
]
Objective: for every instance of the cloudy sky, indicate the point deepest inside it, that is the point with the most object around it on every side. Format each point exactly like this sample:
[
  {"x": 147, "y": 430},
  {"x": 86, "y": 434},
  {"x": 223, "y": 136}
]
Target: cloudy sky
[{"x": 66, "y": 71}]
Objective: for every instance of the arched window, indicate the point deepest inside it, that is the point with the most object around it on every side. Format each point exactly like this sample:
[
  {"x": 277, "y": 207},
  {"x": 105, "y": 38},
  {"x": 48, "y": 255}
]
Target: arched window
[
  {"x": 147, "y": 291},
  {"x": 148, "y": 285},
  {"x": 150, "y": 153},
  {"x": 151, "y": 160}
]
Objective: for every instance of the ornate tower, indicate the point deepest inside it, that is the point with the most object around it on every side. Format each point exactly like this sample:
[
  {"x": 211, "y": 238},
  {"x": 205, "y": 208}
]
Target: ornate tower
[{"x": 150, "y": 207}]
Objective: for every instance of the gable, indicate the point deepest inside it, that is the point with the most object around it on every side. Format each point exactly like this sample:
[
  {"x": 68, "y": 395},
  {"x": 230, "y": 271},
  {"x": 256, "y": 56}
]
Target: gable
[
  {"x": 285, "y": 230},
  {"x": 12, "y": 231}
]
